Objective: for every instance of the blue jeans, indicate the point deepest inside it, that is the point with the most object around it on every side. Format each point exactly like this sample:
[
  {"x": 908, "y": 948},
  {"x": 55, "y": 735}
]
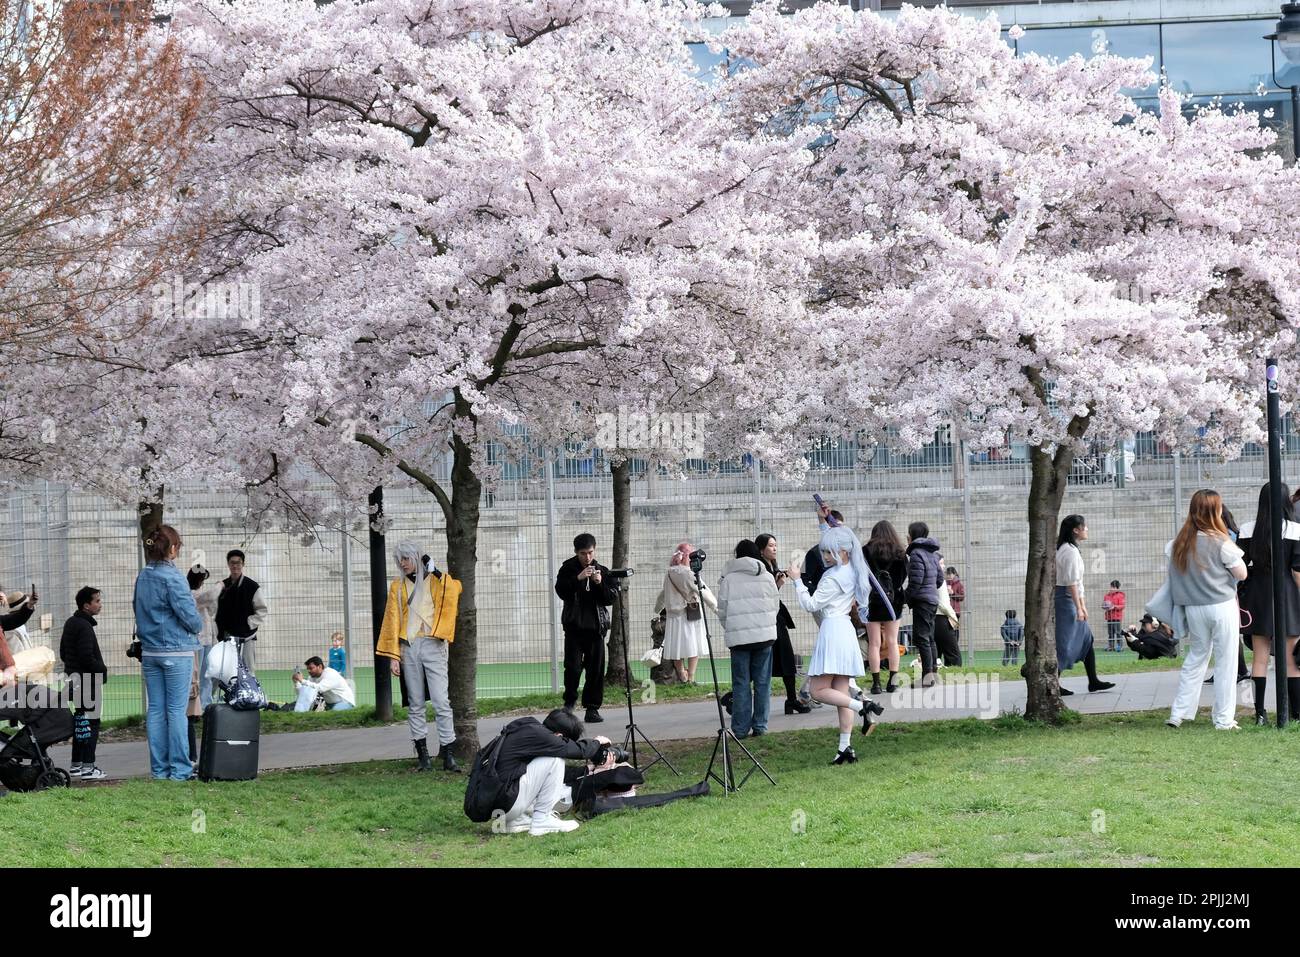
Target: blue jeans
[
  {"x": 167, "y": 682},
  {"x": 749, "y": 707},
  {"x": 339, "y": 706}
]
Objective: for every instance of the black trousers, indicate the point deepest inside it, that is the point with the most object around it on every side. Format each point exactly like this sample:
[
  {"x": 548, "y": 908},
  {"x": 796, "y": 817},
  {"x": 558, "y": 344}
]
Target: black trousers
[
  {"x": 923, "y": 634},
  {"x": 947, "y": 644},
  {"x": 85, "y": 737},
  {"x": 584, "y": 651}
]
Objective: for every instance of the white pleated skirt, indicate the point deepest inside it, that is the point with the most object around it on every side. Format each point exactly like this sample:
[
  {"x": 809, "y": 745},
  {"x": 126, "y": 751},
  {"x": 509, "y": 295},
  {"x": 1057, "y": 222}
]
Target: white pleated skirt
[
  {"x": 683, "y": 638},
  {"x": 836, "y": 652}
]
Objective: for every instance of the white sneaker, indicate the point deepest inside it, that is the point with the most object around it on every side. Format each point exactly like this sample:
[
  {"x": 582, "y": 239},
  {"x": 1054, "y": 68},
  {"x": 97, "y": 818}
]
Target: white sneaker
[
  {"x": 92, "y": 773},
  {"x": 1227, "y": 727},
  {"x": 518, "y": 826},
  {"x": 1174, "y": 722},
  {"x": 552, "y": 825},
  {"x": 75, "y": 769}
]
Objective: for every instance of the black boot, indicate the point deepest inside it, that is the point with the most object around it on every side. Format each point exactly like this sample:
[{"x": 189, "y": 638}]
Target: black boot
[
  {"x": 448, "y": 758},
  {"x": 875, "y": 684},
  {"x": 794, "y": 706},
  {"x": 1261, "y": 702},
  {"x": 422, "y": 756}
]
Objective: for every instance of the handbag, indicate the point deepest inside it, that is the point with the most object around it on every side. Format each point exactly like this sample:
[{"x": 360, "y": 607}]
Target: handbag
[
  {"x": 135, "y": 649},
  {"x": 693, "y": 611},
  {"x": 655, "y": 656}
]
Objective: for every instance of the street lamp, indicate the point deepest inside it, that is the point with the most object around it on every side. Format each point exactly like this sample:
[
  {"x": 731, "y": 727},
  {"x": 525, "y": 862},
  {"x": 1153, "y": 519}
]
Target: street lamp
[{"x": 1287, "y": 37}]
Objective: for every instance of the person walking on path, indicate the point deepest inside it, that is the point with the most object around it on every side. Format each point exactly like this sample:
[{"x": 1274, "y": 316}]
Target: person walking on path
[{"x": 1073, "y": 633}]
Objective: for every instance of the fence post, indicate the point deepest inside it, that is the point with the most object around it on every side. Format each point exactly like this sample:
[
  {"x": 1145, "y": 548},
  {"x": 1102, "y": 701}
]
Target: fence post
[
  {"x": 967, "y": 551},
  {"x": 347, "y": 599},
  {"x": 1178, "y": 490},
  {"x": 551, "y": 566},
  {"x": 758, "y": 495}
]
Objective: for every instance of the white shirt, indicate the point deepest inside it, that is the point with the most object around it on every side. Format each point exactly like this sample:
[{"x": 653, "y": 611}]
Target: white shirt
[
  {"x": 834, "y": 596},
  {"x": 1069, "y": 566},
  {"x": 333, "y": 686}
]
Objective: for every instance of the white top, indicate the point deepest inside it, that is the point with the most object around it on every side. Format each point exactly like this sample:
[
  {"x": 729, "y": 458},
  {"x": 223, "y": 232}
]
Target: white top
[
  {"x": 332, "y": 685},
  {"x": 834, "y": 595},
  {"x": 1069, "y": 566},
  {"x": 1290, "y": 530}
]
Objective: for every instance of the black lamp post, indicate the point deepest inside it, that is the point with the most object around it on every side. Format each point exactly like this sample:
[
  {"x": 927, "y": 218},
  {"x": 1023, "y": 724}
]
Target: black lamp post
[{"x": 1287, "y": 38}]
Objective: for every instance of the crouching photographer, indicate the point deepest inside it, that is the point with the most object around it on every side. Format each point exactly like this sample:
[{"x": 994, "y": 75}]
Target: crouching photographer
[{"x": 517, "y": 781}]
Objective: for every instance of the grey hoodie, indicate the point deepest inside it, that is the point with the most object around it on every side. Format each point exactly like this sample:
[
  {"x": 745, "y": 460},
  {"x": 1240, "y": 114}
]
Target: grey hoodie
[{"x": 747, "y": 603}]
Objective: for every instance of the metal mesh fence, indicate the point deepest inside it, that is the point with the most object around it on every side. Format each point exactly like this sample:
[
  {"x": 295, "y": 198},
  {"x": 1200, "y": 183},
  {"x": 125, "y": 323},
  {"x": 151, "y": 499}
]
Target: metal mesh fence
[{"x": 61, "y": 539}]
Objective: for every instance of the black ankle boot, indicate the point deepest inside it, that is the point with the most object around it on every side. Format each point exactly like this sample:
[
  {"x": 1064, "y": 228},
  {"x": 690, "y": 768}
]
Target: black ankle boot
[
  {"x": 875, "y": 683},
  {"x": 422, "y": 756},
  {"x": 870, "y": 708},
  {"x": 892, "y": 686},
  {"x": 449, "y": 758},
  {"x": 796, "y": 707}
]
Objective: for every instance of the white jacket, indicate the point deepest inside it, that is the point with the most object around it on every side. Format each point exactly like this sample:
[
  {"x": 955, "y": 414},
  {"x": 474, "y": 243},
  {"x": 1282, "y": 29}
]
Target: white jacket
[{"x": 747, "y": 603}]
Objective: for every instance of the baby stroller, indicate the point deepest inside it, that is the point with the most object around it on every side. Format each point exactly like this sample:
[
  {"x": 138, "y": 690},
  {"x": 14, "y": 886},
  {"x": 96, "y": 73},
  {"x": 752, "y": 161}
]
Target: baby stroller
[{"x": 25, "y": 764}]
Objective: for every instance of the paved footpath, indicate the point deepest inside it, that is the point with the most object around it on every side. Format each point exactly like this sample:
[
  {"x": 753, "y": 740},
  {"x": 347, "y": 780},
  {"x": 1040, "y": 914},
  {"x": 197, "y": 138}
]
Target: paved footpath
[{"x": 1147, "y": 691}]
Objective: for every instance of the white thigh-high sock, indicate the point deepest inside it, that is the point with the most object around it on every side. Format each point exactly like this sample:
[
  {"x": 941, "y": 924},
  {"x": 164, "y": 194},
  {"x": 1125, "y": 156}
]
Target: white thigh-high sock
[{"x": 845, "y": 738}]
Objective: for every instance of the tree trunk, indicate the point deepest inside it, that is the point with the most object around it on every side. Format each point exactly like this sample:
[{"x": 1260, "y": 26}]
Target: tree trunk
[
  {"x": 150, "y": 515},
  {"x": 1049, "y": 476},
  {"x": 462, "y": 563},
  {"x": 615, "y": 676}
]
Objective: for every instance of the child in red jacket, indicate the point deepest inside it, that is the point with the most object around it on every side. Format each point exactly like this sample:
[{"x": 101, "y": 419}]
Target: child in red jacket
[{"x": 1113, "y": 606}]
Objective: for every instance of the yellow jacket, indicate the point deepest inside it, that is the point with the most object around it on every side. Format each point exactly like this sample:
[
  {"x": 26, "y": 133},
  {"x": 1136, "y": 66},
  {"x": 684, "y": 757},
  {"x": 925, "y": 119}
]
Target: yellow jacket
[{"x": 444, "y": 598}]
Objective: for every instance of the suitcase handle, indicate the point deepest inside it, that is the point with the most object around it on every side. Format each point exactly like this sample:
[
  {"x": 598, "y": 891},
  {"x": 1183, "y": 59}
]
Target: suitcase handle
[{"x": 236, "y": 742}]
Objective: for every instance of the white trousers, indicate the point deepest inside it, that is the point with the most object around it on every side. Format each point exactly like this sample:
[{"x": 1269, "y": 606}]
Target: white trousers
[
  {"x": 540, "y": 789},
  {"x": 426, "y": 659},
  {"x": 1212, "y": 629}
]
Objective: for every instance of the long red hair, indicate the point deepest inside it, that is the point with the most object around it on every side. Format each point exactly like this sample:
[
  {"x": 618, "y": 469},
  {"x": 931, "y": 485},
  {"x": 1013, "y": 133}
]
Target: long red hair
[{"x": 1205, "y": 514}]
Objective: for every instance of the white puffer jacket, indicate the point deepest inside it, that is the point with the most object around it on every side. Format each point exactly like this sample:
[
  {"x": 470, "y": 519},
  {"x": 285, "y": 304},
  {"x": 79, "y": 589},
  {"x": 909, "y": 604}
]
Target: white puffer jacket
[{"x": 747, "y": 603}]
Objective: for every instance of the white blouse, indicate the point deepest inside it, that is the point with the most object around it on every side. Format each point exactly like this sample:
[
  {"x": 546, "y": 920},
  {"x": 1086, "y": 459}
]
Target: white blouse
[
  {"x": 834, "y": 596},
  {"x": 1069, "y": 566}
]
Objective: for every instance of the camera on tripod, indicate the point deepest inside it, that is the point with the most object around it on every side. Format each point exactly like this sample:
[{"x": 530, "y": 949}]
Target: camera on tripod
[
  {"x": 696, "y": 558},
  {"x": 617, "y": 573}
]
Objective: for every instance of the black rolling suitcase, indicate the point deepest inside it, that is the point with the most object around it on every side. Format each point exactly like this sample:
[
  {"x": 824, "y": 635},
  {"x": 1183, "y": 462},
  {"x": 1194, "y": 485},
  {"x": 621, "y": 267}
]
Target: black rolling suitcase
[{"x": 229, "y": 751}]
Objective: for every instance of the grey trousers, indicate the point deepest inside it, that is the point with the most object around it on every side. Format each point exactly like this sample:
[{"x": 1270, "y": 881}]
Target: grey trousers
[
  {"x": 248, "y": 654},
  {"x": 423, "y": 660}
]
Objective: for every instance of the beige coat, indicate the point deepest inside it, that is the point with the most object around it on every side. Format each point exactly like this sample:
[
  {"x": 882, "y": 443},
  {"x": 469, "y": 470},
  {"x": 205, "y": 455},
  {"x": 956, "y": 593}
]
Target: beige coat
[{"x": 679, "y": 583}]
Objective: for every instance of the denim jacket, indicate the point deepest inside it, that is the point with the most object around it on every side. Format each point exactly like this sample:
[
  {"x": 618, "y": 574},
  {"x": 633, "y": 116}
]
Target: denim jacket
[{"x": 166, "y": 618}]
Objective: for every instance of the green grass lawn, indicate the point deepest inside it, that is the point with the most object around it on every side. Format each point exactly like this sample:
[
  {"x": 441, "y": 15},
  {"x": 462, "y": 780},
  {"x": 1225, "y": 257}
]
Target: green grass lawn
[{"x": 1102, "y": 790}]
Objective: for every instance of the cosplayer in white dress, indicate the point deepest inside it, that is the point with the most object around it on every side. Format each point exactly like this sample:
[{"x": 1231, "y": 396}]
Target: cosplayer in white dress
[{"x": 836, "y": 659}]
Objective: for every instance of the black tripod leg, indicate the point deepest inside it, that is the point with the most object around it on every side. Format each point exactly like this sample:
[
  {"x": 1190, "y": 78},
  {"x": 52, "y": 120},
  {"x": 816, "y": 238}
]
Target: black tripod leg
[
  {"x": 757, "y": 766},
  {"x": 659, "y": 756}
]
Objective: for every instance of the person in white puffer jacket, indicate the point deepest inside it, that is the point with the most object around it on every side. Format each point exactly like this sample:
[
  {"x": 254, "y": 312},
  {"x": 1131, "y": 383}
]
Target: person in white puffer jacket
[{"x": 747, "y": 608}]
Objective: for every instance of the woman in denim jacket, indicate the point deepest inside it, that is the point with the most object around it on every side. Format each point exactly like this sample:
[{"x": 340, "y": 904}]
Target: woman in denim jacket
[{"x": 166, "y": 621}]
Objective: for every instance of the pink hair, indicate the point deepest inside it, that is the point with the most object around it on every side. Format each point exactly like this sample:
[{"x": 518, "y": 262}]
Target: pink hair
[{"x": 681, "y": 554}]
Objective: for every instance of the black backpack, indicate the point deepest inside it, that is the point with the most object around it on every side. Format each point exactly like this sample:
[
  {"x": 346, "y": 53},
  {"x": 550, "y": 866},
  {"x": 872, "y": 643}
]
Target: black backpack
[{"x": 486, "y": 792}]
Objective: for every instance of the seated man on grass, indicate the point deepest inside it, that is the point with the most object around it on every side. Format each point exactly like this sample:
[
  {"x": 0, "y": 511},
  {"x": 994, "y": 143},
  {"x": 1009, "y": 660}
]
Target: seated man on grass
[{"x": 327, "y": 683}]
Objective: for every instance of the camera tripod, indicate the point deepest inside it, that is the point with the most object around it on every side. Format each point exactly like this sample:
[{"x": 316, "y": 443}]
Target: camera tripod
[
  {"x": 629, "y": 740},
  {"x": 725, "y": 734}
]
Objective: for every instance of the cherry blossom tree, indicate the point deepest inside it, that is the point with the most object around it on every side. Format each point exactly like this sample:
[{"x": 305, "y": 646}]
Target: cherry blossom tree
[
  {"x": 985, "y": 223},
  {"x": 448, "y": 210}
]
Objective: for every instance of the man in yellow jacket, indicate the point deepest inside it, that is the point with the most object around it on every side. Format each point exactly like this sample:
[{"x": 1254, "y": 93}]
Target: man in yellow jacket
[{"x": 419, "y": 627}]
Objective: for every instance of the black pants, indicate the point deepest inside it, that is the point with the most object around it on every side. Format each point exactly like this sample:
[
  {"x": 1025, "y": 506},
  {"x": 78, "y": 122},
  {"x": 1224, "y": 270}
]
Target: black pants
[
  {"x": 193, "y": 721},
  {"x": 1010, "y": 652},
  {"x": 923, "y": 634},
  {"x": 946, "y": 642},
  {"x": 584, "y": 651},
  {"x": 85, "y": 738}
]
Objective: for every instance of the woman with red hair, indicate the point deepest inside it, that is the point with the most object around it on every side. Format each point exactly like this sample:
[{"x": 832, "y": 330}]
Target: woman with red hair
[{"x": 684, "y": 639}]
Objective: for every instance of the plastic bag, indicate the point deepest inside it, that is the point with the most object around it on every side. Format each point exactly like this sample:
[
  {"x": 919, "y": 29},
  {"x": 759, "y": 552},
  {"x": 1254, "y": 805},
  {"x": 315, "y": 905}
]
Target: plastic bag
[{"x": 223, "y": 662}]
